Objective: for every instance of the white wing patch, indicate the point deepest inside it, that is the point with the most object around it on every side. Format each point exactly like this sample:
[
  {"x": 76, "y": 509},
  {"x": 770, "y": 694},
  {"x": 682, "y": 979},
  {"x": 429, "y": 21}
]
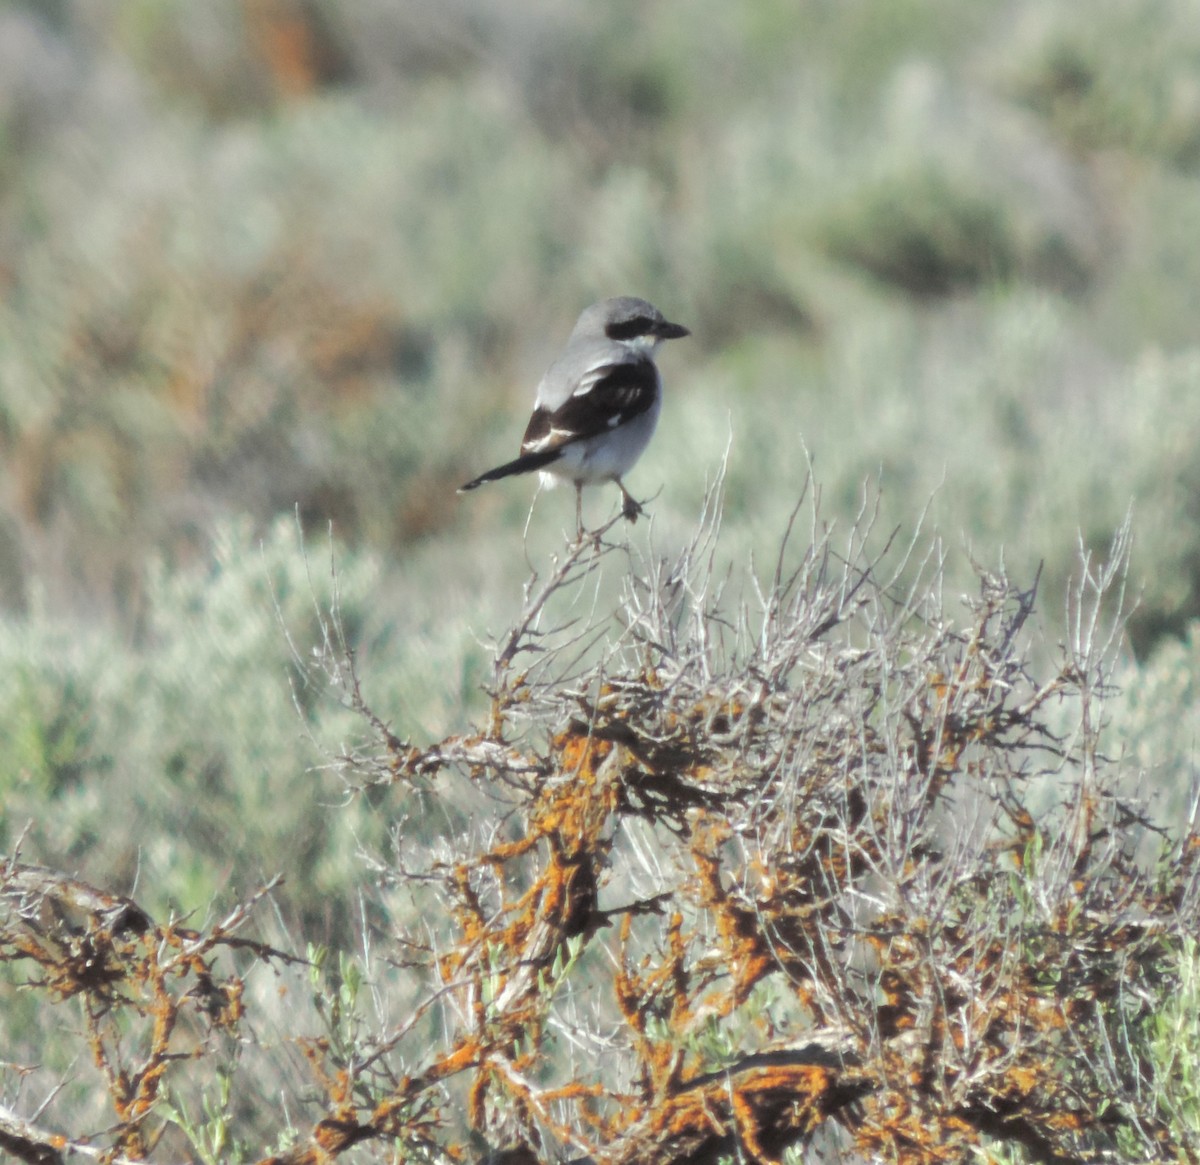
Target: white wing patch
[{"x": 591, "y": 378}]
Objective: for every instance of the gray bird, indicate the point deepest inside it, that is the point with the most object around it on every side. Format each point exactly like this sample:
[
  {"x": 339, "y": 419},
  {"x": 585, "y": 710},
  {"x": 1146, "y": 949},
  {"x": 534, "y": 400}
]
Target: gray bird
[{"x": 598, "y": 403}]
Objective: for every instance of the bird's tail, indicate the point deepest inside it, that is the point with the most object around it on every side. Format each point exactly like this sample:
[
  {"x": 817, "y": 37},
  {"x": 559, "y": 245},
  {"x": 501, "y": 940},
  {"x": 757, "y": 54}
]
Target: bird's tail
[{"x": 526, "y": 463}]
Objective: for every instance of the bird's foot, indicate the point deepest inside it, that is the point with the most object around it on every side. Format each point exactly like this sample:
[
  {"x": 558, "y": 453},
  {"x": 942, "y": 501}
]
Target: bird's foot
[{"x": 631, "y": 509}]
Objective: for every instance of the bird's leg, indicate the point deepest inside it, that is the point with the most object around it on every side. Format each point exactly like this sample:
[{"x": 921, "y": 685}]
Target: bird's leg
[
  {"x": 631, "y": 508},
  {"x": 579, "y": 510}
]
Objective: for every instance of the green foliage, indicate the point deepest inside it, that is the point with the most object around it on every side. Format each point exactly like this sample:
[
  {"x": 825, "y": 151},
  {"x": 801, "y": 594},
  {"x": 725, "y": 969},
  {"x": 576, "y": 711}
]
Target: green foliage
[
  {"x": 924, "y": 235},
  {"x": 185, "y": 764},
  {"x": 208, "y": 1130},
  {"x": 1173, "y": 1047},
  {"x": 1156, "y": 726},
  {"x": 1125, "y": 77},
  {"x": 320, "y": 263},
  {"x": 250, "y": 296},
  {"x": 334, "y": 996}
]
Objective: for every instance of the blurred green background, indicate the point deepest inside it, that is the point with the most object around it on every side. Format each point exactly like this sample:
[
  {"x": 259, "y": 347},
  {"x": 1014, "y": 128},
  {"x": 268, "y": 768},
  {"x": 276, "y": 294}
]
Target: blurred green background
[{"x": 274, "y": 267}]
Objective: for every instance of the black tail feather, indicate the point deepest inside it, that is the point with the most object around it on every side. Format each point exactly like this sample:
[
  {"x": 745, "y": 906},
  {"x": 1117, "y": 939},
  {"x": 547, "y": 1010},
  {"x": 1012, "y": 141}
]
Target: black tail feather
[{"x": 526, "y": 463}]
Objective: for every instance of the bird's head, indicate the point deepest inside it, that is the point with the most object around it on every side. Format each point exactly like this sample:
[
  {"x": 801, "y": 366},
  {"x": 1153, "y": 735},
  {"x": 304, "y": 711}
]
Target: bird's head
[{"x": 628, "y": 320}]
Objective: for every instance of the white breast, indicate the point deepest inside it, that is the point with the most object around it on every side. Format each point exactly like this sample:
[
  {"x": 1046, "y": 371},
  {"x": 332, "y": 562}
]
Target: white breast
[{"x": 606, "y": 457}]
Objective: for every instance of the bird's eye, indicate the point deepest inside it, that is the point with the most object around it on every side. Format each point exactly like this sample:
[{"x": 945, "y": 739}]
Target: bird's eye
[{"x": 628, "y": 329}]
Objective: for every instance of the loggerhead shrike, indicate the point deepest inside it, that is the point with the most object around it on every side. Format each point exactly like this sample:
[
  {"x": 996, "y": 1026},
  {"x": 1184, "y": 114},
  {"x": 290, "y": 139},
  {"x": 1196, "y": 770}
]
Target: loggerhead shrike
[{"x": 598, "y": 403}]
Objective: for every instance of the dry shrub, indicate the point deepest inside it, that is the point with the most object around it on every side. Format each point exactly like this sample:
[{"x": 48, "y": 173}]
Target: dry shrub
[{"x": 753, "y": 859}]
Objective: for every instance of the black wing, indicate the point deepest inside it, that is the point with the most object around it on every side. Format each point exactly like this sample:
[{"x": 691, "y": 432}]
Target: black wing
[{"x": 609, "y": 396}]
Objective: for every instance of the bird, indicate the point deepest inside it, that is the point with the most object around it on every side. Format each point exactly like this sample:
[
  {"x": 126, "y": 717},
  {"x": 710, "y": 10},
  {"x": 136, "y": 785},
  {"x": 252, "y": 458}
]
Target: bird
[{"x": 597, "y": 405}]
